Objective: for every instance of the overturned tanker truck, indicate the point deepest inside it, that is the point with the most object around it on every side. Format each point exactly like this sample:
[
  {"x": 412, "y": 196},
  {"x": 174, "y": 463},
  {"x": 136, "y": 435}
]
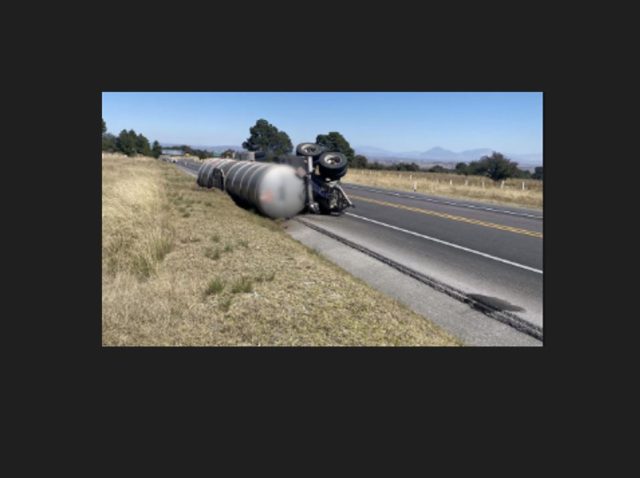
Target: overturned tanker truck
[{"x": 286, "y": 187}]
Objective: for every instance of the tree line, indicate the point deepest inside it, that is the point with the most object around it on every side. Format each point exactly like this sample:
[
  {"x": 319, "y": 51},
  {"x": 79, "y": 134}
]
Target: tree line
[
  {"x": 266, "y": 138},
  {"x": 495, "y": 166},
  {"x": 129, "y": 143}
]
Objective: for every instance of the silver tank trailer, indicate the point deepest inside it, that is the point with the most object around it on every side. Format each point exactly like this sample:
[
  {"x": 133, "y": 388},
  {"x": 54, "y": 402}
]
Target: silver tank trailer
[{"x": 274, "y": 189}]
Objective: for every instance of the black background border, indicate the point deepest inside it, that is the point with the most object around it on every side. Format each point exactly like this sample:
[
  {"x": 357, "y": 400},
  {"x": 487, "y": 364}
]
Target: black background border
[{"x": 411, "y": 64}]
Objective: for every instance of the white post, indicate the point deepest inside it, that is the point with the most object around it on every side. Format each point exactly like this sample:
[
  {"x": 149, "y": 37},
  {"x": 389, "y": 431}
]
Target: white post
[
  {"x": 415, "y": 186},
  {"x": 502, "y": 184},
  {"x": 523, "y": 185},
  {"x": 483, "y": 184},
  {"x": 450, "y": 182}
]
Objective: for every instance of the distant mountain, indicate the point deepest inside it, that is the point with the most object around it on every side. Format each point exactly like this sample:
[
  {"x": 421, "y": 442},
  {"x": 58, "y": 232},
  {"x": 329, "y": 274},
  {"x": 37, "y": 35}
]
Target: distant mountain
[
  {"x": 430, "y": 157},
  {"x": 439, "y": 155},
  {"x": 372, "y": 151}
]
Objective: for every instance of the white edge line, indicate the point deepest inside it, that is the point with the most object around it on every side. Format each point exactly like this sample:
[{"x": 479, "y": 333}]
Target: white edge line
[
  {"x": 448, "y": 203},
  {"x": 440, "y": 241}
]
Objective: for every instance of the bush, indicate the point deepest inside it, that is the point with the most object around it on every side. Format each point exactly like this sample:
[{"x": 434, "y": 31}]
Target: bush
[
  {"x": 359, "y": 161},
  {"x": 537, "y": 174}
]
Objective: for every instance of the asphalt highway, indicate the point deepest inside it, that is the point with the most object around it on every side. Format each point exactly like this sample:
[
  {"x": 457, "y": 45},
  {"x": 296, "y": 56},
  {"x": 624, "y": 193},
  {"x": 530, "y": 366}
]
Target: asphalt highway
[{"x": 491, "y": 253}]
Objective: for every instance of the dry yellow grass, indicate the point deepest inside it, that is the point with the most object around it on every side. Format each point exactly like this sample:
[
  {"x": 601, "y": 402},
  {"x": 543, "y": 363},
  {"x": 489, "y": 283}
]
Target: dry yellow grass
[
  {"x": 454, "y": 186},
  {"x": 185, "y": 266}
]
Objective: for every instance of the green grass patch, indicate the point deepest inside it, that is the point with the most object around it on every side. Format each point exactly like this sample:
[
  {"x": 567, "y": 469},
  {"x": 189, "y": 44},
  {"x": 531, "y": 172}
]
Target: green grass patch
[
  {"x": 215, "y": 286},
  {"x": 242, "y": 285}
]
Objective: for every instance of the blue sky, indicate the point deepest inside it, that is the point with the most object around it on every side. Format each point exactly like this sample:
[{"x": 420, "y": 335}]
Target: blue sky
[{"x": 399, "y": 122}]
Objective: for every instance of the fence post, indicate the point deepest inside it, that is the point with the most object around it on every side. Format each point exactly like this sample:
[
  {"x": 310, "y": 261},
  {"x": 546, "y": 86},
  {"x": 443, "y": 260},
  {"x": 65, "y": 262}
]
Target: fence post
[
  {"x": 523, "y": 185},
  {"x": 415, "y": 186},
  {"x": 450, "y": 182}
]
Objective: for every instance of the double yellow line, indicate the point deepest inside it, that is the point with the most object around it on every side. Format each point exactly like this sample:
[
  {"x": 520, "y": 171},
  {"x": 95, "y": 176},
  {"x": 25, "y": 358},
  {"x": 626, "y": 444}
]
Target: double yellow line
[{"x": 428, "y": 212}]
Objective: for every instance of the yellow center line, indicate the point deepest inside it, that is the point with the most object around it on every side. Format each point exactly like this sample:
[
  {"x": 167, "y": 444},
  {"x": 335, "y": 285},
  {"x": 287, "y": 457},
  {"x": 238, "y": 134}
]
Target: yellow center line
[{"x": 429, "y": 212}]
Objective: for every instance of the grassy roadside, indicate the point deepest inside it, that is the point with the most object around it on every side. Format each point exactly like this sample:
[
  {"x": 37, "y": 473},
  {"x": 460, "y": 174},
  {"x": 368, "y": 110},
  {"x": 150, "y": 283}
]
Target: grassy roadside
[
  {"x": 185, "y": 266},
  {"x": 453, "y": 186}
]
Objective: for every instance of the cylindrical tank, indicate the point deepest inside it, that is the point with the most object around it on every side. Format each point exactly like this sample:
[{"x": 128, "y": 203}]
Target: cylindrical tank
[
  {"x": 203, "y": 172},
  {"x": 274, "y": 189}
]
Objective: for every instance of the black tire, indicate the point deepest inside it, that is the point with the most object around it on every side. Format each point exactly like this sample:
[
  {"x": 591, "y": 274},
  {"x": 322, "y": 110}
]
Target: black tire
[
  {"x": 310, "y": 149},
  {"x": 332, "y": 165},
  {"x": 338, "y": 175}
]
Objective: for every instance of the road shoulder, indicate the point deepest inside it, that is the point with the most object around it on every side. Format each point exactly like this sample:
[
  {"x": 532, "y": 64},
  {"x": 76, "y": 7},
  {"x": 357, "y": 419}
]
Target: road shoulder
[{"x": 472, "y": 327}]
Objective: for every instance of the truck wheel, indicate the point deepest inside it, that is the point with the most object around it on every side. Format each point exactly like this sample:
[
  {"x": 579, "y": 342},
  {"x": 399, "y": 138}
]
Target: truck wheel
[
  {"x": 310, "y": 149},
  {"x": 332, "y": 165}
]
